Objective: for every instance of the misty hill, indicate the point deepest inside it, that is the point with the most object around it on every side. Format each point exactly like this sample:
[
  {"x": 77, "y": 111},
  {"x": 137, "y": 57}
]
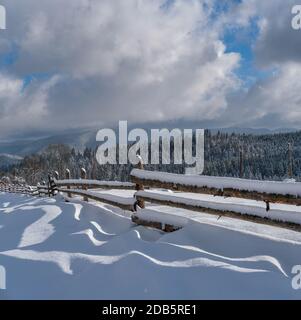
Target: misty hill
[
  {"x": 78, "y": 140},
  {"x": 82, "y": 138},
  {"x": 8, "y": 159}
]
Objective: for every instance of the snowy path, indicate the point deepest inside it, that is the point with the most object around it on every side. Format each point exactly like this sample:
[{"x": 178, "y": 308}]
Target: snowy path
[{"x": 57, "y": 250}]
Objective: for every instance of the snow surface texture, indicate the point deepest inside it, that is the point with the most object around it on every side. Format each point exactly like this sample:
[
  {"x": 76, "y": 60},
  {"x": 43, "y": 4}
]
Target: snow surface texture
[
  {"x": 57, "y": 250},
  {"x": 271, "y": 187}
]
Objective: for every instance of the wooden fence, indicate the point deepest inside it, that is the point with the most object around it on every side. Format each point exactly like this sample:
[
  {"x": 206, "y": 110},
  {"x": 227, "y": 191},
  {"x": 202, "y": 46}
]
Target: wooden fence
[
  {"x": 185, "y": 186},
  {"x": 148, "y": 187},
  {"x": 88, "y": 189},
  {"x": 16, "y": 188}
]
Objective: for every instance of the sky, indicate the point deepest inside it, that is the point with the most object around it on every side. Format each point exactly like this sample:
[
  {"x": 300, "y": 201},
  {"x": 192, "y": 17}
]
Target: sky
[{"x": 67, "y": 64}]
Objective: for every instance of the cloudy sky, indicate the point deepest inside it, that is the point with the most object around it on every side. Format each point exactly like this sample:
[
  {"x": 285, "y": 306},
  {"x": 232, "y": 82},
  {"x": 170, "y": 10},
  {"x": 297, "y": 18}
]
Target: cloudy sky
[{"x": 78, "y": 63}]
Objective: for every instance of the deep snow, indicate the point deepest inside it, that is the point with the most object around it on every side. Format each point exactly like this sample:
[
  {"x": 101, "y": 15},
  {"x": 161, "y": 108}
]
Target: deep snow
[{"x": 52, "y": 249}]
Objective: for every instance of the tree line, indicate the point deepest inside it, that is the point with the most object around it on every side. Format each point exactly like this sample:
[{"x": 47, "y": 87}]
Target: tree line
[{"x": 262, "y": 157}]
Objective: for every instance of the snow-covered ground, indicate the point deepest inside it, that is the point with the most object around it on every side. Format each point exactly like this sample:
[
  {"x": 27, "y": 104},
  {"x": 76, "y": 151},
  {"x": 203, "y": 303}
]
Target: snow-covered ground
[{"x": 52, "y": 249}]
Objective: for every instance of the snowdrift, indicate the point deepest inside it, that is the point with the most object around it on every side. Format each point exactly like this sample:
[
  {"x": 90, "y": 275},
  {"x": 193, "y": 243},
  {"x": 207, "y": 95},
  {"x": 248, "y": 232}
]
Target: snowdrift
[{"x": 57, "y": 250}]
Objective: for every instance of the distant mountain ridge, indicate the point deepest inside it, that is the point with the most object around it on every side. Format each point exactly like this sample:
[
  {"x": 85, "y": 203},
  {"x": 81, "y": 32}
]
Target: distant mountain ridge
[
  {"x": 254, "y": 131},
  {"x": 81, "y": 139},
  {"x": 78, "y": 140},
  {"x": 9, "y": 159}
]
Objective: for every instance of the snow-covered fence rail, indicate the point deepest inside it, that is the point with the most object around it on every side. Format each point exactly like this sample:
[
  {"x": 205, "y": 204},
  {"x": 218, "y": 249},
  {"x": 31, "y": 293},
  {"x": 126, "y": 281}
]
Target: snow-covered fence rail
[
  {"x": 114, "y": 200},
  {"x": 87, "y": 184},
  {"x": 268, "y": 191},
  {"x": 42, "y": 190},
  {"x": 250, "y": 210},
  {"x": 50, "y": 188},
  {"x": 91, "y": 189},
  {"x": 95, "y": 184},
  {"x": 15, "y": 188},
  {"x": 237, "y": 198}
]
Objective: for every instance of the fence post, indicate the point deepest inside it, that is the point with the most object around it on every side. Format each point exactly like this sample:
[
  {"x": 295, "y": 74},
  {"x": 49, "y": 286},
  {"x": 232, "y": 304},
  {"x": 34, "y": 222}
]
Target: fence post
[
  {"x": 39, "y": 184},
  {"x": 56, "y": 175},
  {"x": 140, "y": 187},
  {"x": 51, "y": 184},
  {"x": 268, "y": 207},
  {"x": 68, "y": 177},
  {"x": 83, "y": 174}
]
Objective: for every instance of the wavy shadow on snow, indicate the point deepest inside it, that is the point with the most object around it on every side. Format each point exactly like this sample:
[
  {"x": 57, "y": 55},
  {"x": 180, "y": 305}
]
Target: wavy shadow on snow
[{"x": 56, "y": 250}]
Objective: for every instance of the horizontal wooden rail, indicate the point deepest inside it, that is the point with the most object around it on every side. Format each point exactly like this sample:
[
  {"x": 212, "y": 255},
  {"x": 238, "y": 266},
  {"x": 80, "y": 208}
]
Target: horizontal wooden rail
[
  {"x": 116, "y": 201},
  {"x": 95, "y": 184},
  {"x": 11, "y": 188},
  {"x": 42, "y": 191},
  {"x": 282, "y": 192},
  {"x": 42, "y": 188},
  {"x": 208, "y": 209}
]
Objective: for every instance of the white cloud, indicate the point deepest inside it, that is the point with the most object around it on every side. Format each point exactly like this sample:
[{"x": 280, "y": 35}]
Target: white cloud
[
  {"x": 280, "y": 96},
  {"x": 274, "y": 101},
  {"x": 143, "y": 61},
  {"x": 21, "y": 109},
  {"x": 134, "y": 59}
]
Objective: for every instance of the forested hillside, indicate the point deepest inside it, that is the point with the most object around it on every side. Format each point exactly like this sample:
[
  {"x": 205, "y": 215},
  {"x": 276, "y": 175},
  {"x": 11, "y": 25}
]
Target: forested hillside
[{"x": 264, "y": 157}]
